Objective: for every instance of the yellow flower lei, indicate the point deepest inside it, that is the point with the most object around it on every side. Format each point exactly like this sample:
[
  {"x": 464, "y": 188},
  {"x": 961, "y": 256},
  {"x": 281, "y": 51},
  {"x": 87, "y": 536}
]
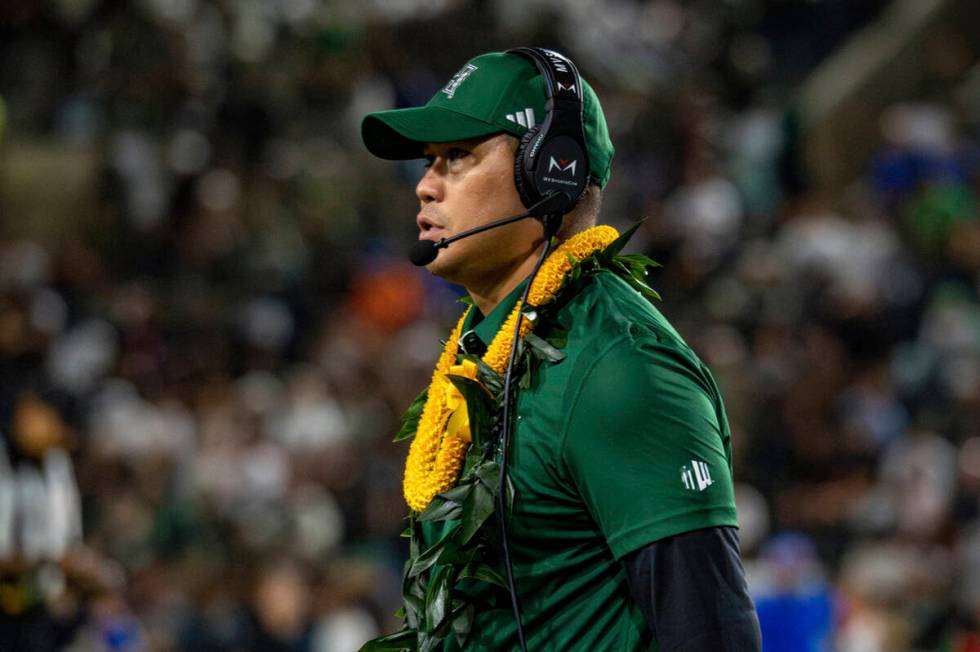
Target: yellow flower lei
[{"x": 442, "y": 438}]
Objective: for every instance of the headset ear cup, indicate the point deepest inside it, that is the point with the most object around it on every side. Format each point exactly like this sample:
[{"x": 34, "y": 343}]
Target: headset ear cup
[{"x": 524, "y": 180}]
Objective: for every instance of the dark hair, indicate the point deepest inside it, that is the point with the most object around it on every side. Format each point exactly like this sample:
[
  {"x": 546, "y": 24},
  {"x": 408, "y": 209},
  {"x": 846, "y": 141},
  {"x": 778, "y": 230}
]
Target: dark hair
[{"x": 584, "y": 215}]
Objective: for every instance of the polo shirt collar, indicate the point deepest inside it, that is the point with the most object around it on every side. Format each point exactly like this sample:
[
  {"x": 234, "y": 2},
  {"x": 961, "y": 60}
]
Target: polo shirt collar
[{"x": 486, "y": 328}]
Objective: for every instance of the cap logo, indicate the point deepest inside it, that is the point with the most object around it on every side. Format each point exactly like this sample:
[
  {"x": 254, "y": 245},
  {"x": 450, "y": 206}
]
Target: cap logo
[
  {"x": 525, "y": 117},
  {"x": 458, "y": 79},
  {"x": 570, "y": 87},
  {"x": 562, "y": 165}
]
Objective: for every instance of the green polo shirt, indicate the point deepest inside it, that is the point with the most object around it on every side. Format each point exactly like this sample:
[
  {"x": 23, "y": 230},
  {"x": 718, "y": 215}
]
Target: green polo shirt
[{"x": 620, "y": 444}]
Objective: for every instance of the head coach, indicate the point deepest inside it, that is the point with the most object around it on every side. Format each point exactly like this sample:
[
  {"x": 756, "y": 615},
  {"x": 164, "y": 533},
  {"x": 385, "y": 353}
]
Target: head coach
[{"x": 569, "y": 478}]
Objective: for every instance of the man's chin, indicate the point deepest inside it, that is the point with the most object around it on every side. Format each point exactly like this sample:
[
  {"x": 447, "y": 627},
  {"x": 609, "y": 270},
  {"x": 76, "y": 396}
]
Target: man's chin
[{"x": 443, "y": 268}]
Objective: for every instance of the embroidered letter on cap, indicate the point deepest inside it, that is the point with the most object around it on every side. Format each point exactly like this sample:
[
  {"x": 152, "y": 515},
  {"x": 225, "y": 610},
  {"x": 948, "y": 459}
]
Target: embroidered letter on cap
[{"x": 458, "y": 79}]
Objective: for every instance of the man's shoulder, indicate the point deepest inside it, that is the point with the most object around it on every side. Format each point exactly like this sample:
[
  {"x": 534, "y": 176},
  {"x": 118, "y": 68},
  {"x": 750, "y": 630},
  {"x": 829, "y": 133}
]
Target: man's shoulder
[
  {"x": 613, "y": 331},
  {"x": 607, "y": 308}
]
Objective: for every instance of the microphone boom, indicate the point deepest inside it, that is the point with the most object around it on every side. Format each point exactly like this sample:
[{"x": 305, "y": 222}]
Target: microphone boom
[{"x": 424, "y": 252}]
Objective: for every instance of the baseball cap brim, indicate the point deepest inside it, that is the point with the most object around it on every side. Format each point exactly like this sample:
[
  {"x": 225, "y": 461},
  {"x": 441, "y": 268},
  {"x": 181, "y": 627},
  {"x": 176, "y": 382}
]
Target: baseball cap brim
[{"x": 402, "y": 133}]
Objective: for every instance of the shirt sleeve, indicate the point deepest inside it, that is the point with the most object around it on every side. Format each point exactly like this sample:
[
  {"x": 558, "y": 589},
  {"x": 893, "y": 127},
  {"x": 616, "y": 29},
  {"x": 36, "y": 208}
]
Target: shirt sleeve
[
  {"x": 691, "y": 589},
  {"x": 647, "y": 444}
]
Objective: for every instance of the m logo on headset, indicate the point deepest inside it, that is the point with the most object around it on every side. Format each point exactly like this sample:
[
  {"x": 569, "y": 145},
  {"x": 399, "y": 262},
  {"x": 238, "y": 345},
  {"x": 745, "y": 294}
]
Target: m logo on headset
[{"x": 562, "y": 165}]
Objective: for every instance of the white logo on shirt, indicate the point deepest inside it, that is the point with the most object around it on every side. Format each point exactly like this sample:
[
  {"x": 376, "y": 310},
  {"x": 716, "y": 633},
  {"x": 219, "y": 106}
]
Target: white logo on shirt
[{"x": 699, "y": 479}]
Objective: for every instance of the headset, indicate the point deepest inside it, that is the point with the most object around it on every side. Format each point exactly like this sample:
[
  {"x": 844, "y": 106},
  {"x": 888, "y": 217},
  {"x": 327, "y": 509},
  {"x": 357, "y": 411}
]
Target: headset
[
  {"x": 551, "y": 168},
  {"x": 552, "y": 157}
]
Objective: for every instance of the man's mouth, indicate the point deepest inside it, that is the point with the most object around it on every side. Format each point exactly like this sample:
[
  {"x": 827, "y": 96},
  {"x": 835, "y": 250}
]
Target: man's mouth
[{"x": 429, "y": 230}]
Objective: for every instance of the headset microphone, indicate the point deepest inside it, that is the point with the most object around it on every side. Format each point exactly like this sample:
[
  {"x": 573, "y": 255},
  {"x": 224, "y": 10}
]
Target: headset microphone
[{"x": 424, "y": 252}]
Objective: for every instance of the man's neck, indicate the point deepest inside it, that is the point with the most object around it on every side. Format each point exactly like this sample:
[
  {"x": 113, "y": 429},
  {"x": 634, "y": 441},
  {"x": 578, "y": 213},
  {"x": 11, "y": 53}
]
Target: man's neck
[{"x": 487, "y": 296}]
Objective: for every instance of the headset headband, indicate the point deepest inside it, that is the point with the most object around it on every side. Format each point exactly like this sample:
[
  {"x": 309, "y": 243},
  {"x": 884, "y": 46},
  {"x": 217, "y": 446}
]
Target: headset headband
[
  {"x": 562, "y": 80},
  {"x": 552, "y": 157}
]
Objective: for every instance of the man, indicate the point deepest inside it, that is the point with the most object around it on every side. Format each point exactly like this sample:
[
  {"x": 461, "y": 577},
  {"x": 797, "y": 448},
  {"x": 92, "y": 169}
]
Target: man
[{"x": 623, "y": 532}]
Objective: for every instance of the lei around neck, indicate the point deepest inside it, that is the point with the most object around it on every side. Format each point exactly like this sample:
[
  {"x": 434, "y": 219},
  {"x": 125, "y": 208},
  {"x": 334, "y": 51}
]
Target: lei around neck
[
  {"x": 452, "y": 477},
  {"x": 444, "y": 434}
]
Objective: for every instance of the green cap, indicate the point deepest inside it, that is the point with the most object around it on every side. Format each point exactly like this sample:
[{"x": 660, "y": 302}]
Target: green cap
[{"x": 493, "y": 93}]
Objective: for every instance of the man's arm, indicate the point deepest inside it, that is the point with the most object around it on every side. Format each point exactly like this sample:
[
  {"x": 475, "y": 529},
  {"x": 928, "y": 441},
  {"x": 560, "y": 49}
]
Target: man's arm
[
  {"x": 691, "y": 589},
  {"x": 647, "y": 447}
]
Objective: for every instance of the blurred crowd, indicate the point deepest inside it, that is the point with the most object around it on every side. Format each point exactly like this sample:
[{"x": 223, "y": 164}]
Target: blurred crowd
[{"x": 209, "y": 327}]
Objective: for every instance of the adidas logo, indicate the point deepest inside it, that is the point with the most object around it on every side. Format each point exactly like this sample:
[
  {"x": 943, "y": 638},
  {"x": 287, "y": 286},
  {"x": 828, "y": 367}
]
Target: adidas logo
[{"x": 524, "y": 118}]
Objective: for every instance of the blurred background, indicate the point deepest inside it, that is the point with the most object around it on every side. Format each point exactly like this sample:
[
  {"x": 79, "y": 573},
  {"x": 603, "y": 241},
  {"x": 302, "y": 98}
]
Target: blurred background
[{"x": 209, "y": 327}]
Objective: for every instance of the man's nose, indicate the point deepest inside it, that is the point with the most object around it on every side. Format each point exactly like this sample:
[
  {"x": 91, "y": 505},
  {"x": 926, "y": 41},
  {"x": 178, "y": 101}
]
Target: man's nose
[{"x": 429, "y": 187}]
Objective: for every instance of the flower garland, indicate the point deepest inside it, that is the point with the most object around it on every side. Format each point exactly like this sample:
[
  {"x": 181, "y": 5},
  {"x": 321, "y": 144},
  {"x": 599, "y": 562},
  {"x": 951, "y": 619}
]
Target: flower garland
[{"x": 443, "y": 436}]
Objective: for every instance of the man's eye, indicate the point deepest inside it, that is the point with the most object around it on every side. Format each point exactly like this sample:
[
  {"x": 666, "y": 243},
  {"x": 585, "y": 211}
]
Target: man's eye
[{"x": 452, "y": 154}]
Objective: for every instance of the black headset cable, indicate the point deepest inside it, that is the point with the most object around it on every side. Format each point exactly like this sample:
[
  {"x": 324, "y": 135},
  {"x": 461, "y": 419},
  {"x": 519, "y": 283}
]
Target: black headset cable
[{"x": 505, "y": 441}]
